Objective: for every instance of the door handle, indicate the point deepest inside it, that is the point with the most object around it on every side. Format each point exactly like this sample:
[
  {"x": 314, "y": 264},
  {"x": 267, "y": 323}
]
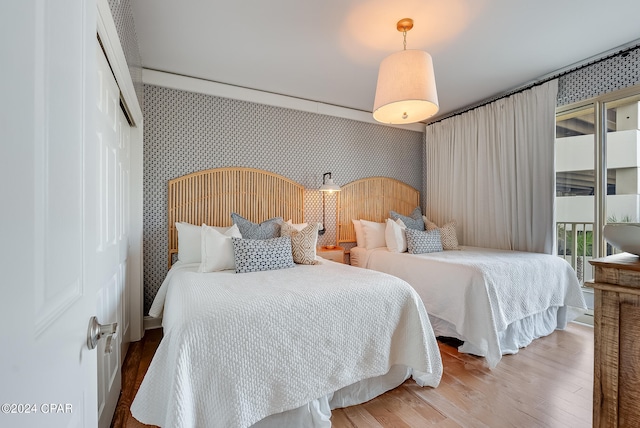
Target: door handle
[{"x": 97, "y": 331}]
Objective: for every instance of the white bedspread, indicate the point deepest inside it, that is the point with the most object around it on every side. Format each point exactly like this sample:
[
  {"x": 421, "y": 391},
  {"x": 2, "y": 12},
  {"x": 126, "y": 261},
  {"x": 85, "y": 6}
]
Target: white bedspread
[
  {"x": 482, "y": 291},
  {"x": 240, "y": 347}
]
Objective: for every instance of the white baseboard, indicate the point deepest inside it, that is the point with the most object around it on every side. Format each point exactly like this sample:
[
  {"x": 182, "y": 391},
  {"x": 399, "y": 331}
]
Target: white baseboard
[
  {"x": 585, "y": 319},
  {"x": 150, "y": 322}
]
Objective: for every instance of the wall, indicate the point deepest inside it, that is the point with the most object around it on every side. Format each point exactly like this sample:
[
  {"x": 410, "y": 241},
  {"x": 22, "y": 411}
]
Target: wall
[{"x": 187, "y": 132}]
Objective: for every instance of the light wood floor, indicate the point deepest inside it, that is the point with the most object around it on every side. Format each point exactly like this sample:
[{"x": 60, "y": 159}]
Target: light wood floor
[{"x": 547, "y": 384}]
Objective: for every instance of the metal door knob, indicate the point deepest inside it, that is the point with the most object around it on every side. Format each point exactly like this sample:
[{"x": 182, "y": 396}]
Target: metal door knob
[{"x": 97, "y": 331}]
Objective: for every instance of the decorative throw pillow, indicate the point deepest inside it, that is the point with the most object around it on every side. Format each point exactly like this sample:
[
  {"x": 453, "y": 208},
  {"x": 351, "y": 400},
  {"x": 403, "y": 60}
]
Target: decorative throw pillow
[
  {"x": 253, "y": 255},
  {"x": 303, "y": 242},
  {"x": 447, "y": 233},
  {"x": 357, "y": 226},
  {"x": 420, "y": 241},
  {"x": 395, "y": 236},
  {"x": 449, "y": 237},
  {"x": 297, "y": 226},
  {"x": 428, "y": 224},
  {"x": 217, "y": 249},
  {"x": 249, "y": 230},
  {"x": 373, "y": 234},
  {"x": 413, "y": 221}
]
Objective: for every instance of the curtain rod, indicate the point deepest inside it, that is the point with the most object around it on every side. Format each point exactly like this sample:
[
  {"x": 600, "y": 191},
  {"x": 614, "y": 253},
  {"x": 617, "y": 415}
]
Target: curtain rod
[{"x": 619, "y": 51}]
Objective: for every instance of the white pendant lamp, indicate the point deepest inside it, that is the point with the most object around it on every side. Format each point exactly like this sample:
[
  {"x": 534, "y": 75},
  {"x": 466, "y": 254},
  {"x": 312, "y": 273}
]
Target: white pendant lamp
[{"x": 406, "y": 90}]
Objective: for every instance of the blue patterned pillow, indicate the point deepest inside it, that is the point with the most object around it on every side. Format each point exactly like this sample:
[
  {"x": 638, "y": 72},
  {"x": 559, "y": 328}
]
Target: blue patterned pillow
[
  {"x": 249, "y": 230},
  {"x": 253, "y": 255},
  {"x": 420, "y": 242},
  {"x": 414, "y": 221}
]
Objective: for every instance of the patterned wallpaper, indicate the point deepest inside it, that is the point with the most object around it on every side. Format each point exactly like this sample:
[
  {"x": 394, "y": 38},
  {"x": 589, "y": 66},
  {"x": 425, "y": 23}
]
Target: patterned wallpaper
[{"x": 187, "y": 132}]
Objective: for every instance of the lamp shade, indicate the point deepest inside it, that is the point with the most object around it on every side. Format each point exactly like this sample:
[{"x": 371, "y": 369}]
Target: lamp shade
[
  {"x": 406, "y": 90},
  {"x": 330, "y": 186}
]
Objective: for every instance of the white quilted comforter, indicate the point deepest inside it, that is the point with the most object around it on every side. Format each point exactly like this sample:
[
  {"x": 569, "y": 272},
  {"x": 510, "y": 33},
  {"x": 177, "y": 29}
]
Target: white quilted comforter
[
  {"x": 240, "y": 347},
  {"x": 482, "y": 291}
]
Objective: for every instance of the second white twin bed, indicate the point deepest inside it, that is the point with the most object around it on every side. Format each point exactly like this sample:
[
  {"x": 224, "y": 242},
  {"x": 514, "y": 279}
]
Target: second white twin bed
[{"x": 496, "y": 301}]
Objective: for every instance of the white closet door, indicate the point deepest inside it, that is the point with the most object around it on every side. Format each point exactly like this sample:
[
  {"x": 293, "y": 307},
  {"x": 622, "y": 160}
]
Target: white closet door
[{"x": 112, "y": 200}]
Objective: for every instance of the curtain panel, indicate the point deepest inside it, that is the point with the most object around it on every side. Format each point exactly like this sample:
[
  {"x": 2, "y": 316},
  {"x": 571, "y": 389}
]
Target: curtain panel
[{"x": 492, "y": 170}]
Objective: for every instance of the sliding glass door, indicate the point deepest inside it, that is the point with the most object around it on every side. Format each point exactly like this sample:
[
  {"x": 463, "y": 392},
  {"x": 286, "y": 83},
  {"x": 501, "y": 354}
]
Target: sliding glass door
[
  {"x": 597, "y": 175},
  {"x": 576, "y": 187}
]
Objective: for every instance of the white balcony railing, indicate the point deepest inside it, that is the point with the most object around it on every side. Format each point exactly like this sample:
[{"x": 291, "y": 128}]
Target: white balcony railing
[{"x": 575, "y": 244}]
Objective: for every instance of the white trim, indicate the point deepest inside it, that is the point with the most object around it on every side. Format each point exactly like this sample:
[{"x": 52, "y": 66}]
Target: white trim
[
  {"x": 191, "y": 84},
  {"x": 115, "y": 55},
  {"x": 150, "y": 322}
]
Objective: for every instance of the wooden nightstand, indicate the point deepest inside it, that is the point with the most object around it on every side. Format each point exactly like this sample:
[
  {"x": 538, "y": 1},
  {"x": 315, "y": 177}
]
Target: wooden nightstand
[
  {"x": 336, "y": 253},
  {"x": 616, "y": 383}
]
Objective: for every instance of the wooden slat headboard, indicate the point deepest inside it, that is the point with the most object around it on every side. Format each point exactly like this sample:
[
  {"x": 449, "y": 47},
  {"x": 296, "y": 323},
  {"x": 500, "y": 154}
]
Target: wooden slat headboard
[
  {"x": 371, "y": 199},
  {"x": 210, "y": 196}
]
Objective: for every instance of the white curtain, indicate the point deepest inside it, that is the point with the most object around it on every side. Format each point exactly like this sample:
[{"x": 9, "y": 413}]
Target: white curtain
[{"x": 492, "y": 170}]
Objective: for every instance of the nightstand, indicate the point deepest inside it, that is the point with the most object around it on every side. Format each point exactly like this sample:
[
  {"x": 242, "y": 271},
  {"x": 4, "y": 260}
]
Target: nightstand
[
  {"x": 616, "y": 383},
  {"x": 335, "y": 253}
]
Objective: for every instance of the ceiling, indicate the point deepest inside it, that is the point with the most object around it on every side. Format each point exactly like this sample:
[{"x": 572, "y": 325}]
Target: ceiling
[{"x": 329, "y": 51}]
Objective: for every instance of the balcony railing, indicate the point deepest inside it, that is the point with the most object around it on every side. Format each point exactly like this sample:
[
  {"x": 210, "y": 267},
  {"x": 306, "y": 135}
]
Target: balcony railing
[{"x": 575, "y": 244}]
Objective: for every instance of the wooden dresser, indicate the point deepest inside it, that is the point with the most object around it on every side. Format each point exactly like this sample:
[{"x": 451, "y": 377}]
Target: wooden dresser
[{"x": 616, "y": 388}]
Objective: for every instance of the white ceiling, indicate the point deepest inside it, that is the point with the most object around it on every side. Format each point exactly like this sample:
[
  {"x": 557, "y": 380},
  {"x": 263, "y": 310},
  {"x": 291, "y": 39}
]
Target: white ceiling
[{"x": 329, "y": 50}]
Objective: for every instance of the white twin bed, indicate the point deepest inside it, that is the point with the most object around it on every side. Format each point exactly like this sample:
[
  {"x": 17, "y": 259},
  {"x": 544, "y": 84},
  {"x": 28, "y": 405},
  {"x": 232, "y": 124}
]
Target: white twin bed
[
  {"x": 274, "y": 348},
  {"x": 496, "y": 301}
]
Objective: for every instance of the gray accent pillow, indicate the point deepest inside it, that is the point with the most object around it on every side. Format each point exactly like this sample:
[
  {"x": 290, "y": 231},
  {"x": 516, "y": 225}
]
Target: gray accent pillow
[
  {"x": 413, "y": 221},
  {"x": 253, "y": 255},
  {"x": 249, "y": 230},
  {"x": 420, "y": 242}
]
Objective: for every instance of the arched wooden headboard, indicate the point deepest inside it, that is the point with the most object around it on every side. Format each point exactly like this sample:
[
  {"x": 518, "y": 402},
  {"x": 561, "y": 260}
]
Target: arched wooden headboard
[
  {"x": 371, "y": 199},
  {"x": 210, "y": 196}
]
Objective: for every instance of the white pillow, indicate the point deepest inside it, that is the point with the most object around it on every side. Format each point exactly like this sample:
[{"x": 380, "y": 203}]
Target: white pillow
[
  {"x": 190, "y": 241},
  {"x": 395, "y": 236},
  {"x": 357, "y": 226},
  {"x": 297, "y": 226},
  {"x": 189, "y": 237},
  {"x": 373, "y": 234},
  {"x": 217, "y": 248}
]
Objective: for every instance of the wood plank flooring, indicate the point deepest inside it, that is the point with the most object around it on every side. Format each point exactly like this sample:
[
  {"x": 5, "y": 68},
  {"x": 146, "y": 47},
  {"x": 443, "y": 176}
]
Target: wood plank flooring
[{"x": 547, "y": 384}]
